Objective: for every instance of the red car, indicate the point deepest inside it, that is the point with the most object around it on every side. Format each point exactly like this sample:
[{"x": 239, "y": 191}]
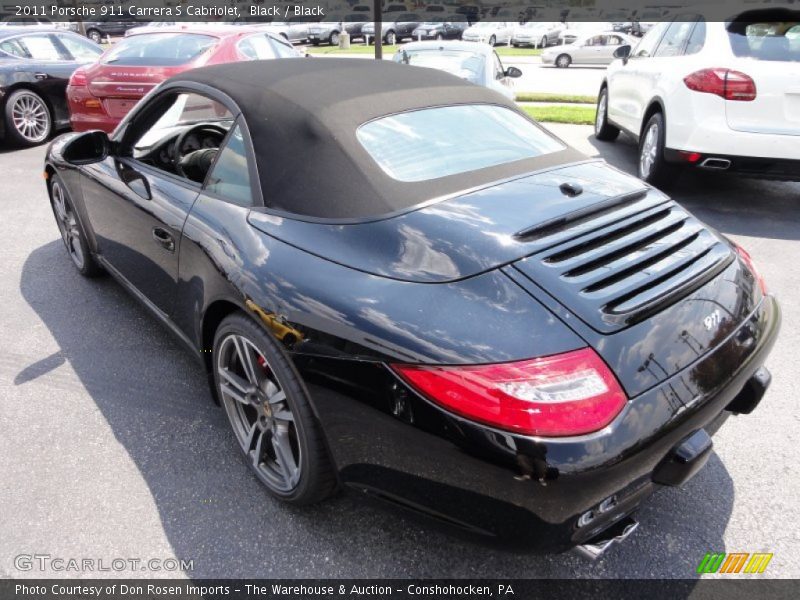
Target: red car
[{"x": 101, "y": 94}]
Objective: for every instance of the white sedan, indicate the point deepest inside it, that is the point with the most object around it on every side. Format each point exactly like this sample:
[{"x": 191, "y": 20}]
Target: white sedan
[
  {"x": 722, "y": 96},
  {"x": 593, "y": 49},
  {"x": 476, "y": 63},
  {"x": 489, "y": 32},
  {"x": 537, "y": 33}
]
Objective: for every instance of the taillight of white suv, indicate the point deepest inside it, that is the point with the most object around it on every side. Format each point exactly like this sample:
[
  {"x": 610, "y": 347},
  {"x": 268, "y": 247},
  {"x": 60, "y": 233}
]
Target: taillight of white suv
[{"x": 725, "y": 83}]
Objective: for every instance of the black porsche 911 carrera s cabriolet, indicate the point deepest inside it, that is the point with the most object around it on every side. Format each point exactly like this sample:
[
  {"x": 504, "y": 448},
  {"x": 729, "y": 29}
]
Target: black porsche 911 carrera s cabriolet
[{"x": 506, "y": 336}]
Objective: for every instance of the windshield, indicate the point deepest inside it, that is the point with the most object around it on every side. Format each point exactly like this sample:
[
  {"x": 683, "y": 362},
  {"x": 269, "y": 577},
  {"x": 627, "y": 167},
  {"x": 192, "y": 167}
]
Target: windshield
[
  {"x": 436, "y": 142},
  {"x": 184, "y": 110},
  {"x": 159, "y": 49},
  {"x": 466, "y": 65}
]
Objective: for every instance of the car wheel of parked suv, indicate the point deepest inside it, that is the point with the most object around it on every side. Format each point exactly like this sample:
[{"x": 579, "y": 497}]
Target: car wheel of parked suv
[
  {"x": 492, "y": 41},
  {"x": 95, "y": 36},
  {"x": 543, "y": 43},
  {"x": 563, "y": 61},
  {"x": 391, "y": 38},
  {"x": 334, "y": 41},
  {"x": 603, "y": 130},
  {"x": 652, "y": 167}
]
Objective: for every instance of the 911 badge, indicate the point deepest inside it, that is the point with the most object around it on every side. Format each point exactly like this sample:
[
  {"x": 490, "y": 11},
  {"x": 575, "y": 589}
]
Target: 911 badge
[{"x": 712, "y": 320}]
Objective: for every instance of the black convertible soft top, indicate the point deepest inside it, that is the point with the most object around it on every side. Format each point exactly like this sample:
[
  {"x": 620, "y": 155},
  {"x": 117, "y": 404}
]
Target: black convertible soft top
[{"x": 303, "y": 115}]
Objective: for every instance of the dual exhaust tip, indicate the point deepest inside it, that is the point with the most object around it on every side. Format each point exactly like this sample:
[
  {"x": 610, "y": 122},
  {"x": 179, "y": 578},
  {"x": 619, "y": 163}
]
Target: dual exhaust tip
[{"x": 616, "y": 534}]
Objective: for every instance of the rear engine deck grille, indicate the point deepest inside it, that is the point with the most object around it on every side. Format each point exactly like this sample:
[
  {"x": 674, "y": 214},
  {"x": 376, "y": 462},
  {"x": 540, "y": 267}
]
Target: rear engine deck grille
[{"x": 617, "y": 274}]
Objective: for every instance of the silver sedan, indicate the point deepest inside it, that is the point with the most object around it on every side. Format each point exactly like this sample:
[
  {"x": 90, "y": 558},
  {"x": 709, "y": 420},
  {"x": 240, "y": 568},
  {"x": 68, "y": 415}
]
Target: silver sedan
[{"x": 592, "y": 49}]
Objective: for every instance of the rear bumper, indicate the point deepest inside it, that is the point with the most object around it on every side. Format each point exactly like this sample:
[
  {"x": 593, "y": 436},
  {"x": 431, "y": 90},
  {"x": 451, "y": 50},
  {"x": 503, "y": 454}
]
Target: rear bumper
[
  {"x": 747, "y": 166},
  {"x": 531, "y": 492},
  {"x": 703, "y": 127},
  {"x": 84, "y": 118}
]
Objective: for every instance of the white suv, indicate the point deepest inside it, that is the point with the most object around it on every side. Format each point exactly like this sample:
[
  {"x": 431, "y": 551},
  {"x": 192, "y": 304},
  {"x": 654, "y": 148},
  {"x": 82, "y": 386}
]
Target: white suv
[{"x": 714, "y": 95}]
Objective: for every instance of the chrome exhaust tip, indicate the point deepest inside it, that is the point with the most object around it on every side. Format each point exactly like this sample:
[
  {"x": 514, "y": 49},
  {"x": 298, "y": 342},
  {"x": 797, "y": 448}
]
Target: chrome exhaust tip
[
  {"x": 719, "y": 164},
  {"x": 616, "y": 534}
]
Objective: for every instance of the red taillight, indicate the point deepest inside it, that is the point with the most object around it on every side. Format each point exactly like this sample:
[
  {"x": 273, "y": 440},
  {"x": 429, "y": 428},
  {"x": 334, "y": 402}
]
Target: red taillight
[
  {"x": 566, "y": 394},
  {"x": 78, "y": 78},
  {"x": 748, "y": 260},
  {"x": 725, "y": 83}
]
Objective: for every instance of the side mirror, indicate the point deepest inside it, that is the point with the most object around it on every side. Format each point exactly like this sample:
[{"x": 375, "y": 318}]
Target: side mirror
[
  {"x": 513, "y": 72},
  {"x": 623, "y": 51},
  {"x": 87, "y": 148}
]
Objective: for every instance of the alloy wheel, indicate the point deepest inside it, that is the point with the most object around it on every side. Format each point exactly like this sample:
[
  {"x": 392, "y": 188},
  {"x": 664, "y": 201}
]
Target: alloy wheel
[
  {"x": 391, "y": 39},
  {"x": 259, "y": 412},
  {"x": 30, "y": 117},
  {"x": 543, "y": 42},
  {"x": 600, "y": 117},
  {"x": 68, "y": 225},
  {"x": 649, "y": 151},
  {"x": 563, "y": 61},
  {"x": 95, "y": 36},
  {"x": 335, "y": 38}
]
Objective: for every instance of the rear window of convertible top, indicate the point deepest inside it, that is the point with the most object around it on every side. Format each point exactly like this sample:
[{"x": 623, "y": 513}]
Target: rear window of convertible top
[{"x": 436, "y": 142}]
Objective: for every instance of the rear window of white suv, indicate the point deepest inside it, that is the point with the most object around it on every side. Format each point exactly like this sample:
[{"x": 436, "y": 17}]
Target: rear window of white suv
[{"x": 766, "y": 40}]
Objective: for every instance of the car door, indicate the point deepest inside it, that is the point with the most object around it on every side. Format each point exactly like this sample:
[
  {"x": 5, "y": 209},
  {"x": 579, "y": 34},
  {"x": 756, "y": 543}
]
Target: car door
[
  {"x": 632, "y": 80},
  {"x": 588, "y": 51},
  {"x": 226, "y": 198},
  {"x": 606, "y": 51},
  {"x": 137, "y": 202}
]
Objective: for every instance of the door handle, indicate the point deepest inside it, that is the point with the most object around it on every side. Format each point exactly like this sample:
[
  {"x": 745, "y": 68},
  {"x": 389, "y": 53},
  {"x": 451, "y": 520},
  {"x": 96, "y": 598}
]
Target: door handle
[
  {"x": 40, "y": 76},
  {"x": 164, "y": 238}
]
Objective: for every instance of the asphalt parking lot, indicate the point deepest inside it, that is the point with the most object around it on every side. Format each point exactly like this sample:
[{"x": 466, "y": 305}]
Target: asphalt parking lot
[{"x": 112, "y": 448}]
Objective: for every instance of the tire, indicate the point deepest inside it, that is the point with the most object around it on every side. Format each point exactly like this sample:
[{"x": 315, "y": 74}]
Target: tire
[
  {"x": 651, "y": 166},
  {"x": 28, "y": 121},
  {"x": 95, "y": 36},
  {"x": 563, "y": 61},
  {"x": 334, "y": 39},
  {"x": 492, "y": 41},
  {"x": 72, "y": 233},
  {"x": 272, "y": 421},
  {"x": 603, "y": 130},
  {"x": 543, "y": 43},
  {"x": 391, "y": 38}
]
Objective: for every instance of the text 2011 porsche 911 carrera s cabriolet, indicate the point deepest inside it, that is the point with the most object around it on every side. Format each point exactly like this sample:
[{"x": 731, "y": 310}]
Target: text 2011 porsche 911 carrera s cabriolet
[{"x": 505, "y": 336}]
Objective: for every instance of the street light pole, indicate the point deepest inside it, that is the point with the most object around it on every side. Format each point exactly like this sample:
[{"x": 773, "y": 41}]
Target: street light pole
[{"x": 378, "y": 9}]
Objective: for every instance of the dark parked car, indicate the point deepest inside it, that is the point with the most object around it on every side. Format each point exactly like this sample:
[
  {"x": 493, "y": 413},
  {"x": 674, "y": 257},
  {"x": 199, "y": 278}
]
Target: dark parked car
[
  {"x": 97, "y": 30},
  {"x": 35, "y": 66},
  {"x": 442, "y": 304},
  {"x": 448, "y": 27},
  {"x": 328, "y": 30},
  {"x": 394, "y": 27}
]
